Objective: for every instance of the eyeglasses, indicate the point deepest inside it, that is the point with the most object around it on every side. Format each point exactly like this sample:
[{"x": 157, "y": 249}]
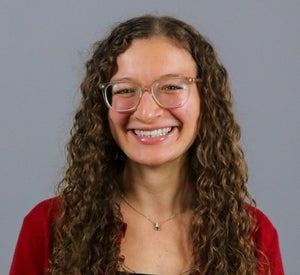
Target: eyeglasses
[{"x": 168, "y": 92}]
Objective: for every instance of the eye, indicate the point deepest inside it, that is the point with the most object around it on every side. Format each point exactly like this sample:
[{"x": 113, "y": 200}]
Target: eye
[
  {"x": 125, "y": 91},
  {"x": 171, "y": 87}
]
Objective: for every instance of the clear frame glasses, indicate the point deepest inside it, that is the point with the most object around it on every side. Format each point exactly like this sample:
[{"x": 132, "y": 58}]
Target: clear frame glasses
[{"x": 168, "y": 92}]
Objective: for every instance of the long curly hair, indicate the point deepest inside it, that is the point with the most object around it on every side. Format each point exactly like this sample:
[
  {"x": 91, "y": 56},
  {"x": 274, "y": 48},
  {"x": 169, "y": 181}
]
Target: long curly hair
[{"x": 89, "y": 228}]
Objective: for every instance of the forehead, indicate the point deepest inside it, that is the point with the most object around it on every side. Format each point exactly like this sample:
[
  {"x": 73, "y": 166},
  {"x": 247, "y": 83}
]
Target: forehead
[{"x": 152, "y": 58}]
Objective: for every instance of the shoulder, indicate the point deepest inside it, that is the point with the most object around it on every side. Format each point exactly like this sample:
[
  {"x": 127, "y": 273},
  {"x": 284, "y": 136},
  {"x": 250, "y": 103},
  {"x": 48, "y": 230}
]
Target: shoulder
[
  {"x": 45, "y": 209},
  {"x": 43, "y": 214},
  {"x": 267, "y": 241},
  {"x": 265, "y": 231},
  {"x": 34, "y": 241}
]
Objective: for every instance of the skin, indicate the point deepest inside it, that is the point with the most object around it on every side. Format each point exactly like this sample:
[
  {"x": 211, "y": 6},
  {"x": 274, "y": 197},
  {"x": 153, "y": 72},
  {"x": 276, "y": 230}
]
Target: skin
[{"x": 154, "y": 179}]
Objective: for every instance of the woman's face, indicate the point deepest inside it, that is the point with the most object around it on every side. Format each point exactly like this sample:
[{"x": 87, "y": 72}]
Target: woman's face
[{"x": 151, "y": 135}]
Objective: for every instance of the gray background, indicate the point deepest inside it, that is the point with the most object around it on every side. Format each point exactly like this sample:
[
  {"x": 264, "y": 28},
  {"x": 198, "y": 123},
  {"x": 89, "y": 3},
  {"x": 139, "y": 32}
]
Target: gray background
[{"x": 43, "y": 45}]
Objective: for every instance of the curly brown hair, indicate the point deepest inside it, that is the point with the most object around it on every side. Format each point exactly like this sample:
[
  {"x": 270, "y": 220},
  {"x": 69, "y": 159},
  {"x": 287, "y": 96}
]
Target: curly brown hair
[{"x": 89, "y": 228}]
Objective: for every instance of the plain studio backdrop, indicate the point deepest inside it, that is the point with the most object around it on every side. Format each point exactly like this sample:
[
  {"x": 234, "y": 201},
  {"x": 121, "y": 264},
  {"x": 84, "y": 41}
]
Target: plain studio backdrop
[{"x": 43, "y": 47}]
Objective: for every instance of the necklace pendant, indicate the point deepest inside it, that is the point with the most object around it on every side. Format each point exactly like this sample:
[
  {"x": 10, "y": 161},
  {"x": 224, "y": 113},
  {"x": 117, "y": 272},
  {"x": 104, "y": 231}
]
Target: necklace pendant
[{"x": 157, "y": 226}]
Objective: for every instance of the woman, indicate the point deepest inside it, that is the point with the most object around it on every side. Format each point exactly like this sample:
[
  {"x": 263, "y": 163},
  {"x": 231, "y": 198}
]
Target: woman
[{"x": 156, "y": 178}]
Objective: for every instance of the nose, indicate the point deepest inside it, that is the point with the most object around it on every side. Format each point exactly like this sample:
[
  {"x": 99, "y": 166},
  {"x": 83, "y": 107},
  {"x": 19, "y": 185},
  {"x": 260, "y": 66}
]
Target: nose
[{"x": 147, "y": 109}]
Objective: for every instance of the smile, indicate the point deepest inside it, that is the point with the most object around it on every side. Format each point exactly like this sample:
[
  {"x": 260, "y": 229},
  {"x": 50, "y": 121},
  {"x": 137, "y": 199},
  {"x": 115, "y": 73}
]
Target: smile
[{"x": 154, "y": 133}]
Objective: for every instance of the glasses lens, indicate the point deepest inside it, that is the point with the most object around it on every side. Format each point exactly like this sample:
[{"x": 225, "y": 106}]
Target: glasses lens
[
  {"x": 122, "y": 96},
  {"x": 171, "y": 92}
]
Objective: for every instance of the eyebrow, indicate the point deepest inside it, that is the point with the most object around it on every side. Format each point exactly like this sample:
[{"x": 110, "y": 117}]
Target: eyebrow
[{"x": 134, "y": 80}]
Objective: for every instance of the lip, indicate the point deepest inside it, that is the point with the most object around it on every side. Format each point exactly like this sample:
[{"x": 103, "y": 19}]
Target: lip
[{"x": 152, "y": 136}]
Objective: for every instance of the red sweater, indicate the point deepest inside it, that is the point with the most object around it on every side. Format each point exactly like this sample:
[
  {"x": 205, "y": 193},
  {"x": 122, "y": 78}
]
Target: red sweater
[{"x": 34, "y": 244}]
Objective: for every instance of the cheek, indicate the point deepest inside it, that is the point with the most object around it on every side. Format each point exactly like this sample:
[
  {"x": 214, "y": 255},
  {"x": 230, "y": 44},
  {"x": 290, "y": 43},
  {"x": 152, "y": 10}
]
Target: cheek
[
  {"x": 190, "y": 118},
  {"x": 117, "y": 122},
  {"x": 195, "y": 109},
  {"x": 191, "y": 111}
]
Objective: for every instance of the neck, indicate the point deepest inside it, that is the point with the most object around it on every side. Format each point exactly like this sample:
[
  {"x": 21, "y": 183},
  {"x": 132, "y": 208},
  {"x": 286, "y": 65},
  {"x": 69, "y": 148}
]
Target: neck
[{"x": 159, "y": 190}]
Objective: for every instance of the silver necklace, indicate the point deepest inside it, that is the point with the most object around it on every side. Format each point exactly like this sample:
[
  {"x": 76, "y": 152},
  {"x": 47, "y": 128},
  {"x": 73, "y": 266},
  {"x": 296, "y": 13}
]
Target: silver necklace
[{"x": 156, "y": 224}]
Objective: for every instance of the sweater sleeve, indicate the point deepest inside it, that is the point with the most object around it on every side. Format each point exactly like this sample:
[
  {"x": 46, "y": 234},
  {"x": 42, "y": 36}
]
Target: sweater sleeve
[
  {"x": 31, "y": 254},
  {"x": 267, "y": 241}
]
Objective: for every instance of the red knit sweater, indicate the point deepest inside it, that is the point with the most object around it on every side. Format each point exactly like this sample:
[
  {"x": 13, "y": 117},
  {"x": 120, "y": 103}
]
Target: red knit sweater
[{"x": 32, "y": 250}]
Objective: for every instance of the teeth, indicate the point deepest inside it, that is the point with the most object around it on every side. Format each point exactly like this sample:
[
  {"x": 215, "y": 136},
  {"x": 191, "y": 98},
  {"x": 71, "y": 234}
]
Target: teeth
[{"x": 154, "y": 133}]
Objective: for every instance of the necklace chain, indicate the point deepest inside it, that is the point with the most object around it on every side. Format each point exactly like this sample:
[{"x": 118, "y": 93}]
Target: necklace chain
[{"x": 156, "y": 224}]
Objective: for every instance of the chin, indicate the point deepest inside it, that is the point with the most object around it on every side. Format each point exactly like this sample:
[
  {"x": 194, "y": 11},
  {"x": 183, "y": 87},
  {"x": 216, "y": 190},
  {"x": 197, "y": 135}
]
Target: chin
[{"x": 153, "y": 162}]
